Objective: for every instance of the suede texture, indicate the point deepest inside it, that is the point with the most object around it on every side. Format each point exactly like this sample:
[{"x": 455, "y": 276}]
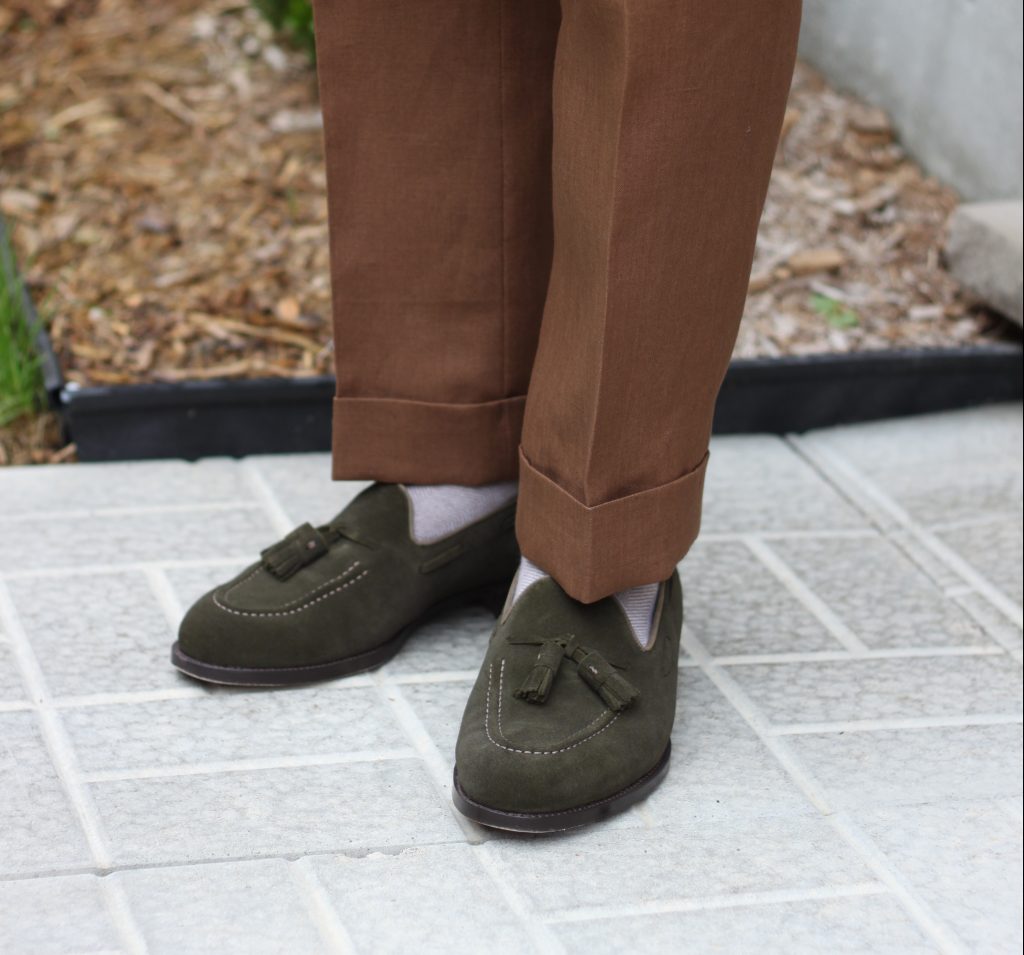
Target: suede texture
[
  {"x": 574, "y": 748},
  {"x": 353, "y": 595}
]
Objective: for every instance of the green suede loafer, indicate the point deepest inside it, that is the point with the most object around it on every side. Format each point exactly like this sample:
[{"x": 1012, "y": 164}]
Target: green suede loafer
[
  {"x": 569, "y": 720},
  {"x": 342, "y": 598}
]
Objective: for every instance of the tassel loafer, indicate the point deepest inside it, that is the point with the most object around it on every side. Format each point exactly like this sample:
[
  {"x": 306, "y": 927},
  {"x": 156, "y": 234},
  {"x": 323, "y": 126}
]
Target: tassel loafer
[
  {"x": 344, "y": 597},
  {"x": 570, "y": 717}
]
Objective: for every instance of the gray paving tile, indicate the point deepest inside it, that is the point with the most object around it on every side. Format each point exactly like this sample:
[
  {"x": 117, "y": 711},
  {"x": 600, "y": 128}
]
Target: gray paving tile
[
  {"x": 759, "y": 616},
  {"x": 964, "y": 861},
  {"x": 598, "y": 866},
  {"x": 869, "y": 925},
  {"x": 948, "y": 467},
  {"x": 11, "y": 688},
  {"x": 757, "y": 483},
  {"x": 908, "y": 766},
  {"x": 244, "y": 907},
  {"x": 273, "y": 812},
  {"x": 390, "y": 903},
  {"x": 96, "y": 633},
  {"x": 50, "y": 489},
  {"x": 879, "y": 593},
  {"x": 302, "y": 485},
  {"x": 124, "y": 539},
  {"x": 230, "y": 725},
  {"x": 38, "y": 829},
  {"x": 456, "y": 641},
  {"x": 995, "y": 550},
  {"x": 883, "y": 689},
  {"x": 720, "y": 769},
  {"x": 190, "y": 583},
  {"x": 439, "y": 707},
  {"x": 54, "y": 917}
]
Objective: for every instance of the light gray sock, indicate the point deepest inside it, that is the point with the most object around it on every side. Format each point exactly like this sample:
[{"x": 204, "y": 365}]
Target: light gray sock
[
  {"x": 442, "y": 509},
  {"x": 637, "y": 602}
]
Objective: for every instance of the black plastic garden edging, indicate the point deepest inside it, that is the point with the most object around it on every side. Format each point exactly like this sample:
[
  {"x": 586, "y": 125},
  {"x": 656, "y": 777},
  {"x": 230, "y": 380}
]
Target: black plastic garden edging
[
  {"x": 778, "y": 395},
  {"x": 198, "y": 419}
]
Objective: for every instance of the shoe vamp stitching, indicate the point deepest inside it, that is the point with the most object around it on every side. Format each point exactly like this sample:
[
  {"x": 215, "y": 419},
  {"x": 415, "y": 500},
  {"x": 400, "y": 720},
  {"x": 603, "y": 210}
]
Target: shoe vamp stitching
[
  {"x": 534, "y": 752},
  {"x": 302, "y": 603}
]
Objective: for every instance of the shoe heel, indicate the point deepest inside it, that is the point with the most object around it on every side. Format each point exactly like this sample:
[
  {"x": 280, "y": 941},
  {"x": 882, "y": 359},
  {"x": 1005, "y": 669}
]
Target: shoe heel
[{"x": 491, "y": 598}]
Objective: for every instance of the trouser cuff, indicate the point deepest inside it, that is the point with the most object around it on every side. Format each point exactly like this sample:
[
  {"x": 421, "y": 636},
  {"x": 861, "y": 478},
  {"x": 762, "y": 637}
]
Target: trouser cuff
[
  {"x": 596, "y": 551},
  {"x": 422, "y": 442}
]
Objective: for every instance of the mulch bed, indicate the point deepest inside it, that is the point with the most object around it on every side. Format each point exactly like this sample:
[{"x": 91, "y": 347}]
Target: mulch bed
[{"x": 161, "y": 167}]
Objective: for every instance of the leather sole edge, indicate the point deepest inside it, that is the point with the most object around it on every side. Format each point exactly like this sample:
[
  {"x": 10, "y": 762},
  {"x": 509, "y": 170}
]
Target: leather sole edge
[{"x": 585, "y": 815}]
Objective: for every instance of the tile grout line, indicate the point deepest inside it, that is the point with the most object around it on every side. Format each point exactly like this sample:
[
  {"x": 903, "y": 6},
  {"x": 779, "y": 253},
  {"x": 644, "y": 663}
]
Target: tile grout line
[
  {"x": 475, "y": 834},
  {"x": 140, "y": 510},
  {"x": 752, "y": 715},
  {"x": 65, "y": 763},
  {"x": 249, "y": 765},
  {"x": 713, "y": 902},
  {"x": 128, "y": 567},
  {"x": 417, "y": 734},
  {"x": 803, "y": 593},
  {"x": 410, "y": 724},
  {"x": 899, "y": 723},
  {"x": 264, "y": 493},
  {"x": 57, "y": 742},
  {"x": 120, "y": 911},
  {"x": 873, "y": 501},
  {"x": 537, "y": 930},
  {"x": 805, "y": 780},
  {"x": 842, "y": 656},
  {"x": 166, "y": 598},
  {"x": 321, "y": 910},
  {"x": 876, "y": 860},
  {"x": 194, "y": 862}
]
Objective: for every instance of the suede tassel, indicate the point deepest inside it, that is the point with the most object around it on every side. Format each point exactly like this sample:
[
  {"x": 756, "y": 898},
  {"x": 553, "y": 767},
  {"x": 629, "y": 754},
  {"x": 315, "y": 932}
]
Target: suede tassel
[
  {"x": 616, "y": 691},
  {"x": 537, "y": 685},
  {"x": 301, "y": 547}
]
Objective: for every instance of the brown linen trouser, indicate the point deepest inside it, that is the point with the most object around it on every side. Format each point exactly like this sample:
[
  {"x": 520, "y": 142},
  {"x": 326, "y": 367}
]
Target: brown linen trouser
[{"x": 557, "y": 201}]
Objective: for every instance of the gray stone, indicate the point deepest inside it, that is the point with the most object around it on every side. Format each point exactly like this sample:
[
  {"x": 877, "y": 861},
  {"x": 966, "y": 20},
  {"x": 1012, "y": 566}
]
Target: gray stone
[
  {"x": 51, "y": 489},
  {"x": 761, "y": 616},
  {"x": 846, "y": 690},
  {"x": 389, "y": 903},
  {"x": 879, "y": 593},
  {"x": 54, "y": 917},
  {"x": 38, "y": 829},
  {"x": 853, "y": 925},
  {"x": 152, "y": 536},
  {"x": 292, "y": 811},
  {"x": 720, "y": 769},
  {"x": 907, "y": 766},
  {"x": 225, "y": 726},
  {"x": 985, "y": 251},
  {"x": 964, "y": 861},
  {"x": 601, "y": 867},
  {"x": 220, "y": 909},
  {"x": 996, "y": 551},
  {"x": 97, "y": 633},
  {"x": 11, "y": 689},
  {"x": 757, "y": 483},
  {"x": 940, "y": 468}
]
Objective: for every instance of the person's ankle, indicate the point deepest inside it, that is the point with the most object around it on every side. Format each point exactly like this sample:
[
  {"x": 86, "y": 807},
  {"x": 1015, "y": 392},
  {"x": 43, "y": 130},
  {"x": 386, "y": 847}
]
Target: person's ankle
[
  {"x": 637, "y": 603},
  {"x": 438, "y": 510}
]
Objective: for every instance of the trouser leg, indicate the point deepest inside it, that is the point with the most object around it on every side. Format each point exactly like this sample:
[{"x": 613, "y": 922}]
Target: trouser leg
[
  {"x": 437, "y": 117},
  {"x": 666, "y": 119}
]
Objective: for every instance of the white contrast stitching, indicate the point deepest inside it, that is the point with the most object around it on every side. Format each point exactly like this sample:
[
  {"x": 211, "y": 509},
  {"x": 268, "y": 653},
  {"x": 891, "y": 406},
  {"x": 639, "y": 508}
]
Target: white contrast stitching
[
  {"x": 288, "y": 613},
  {"x": 298, "y": 600},
  {"x": 530, "y": 752}
]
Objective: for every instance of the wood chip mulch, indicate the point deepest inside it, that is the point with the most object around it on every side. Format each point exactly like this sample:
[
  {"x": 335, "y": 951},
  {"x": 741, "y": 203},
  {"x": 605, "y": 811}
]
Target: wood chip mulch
[{"x": 161, "y": 166}]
